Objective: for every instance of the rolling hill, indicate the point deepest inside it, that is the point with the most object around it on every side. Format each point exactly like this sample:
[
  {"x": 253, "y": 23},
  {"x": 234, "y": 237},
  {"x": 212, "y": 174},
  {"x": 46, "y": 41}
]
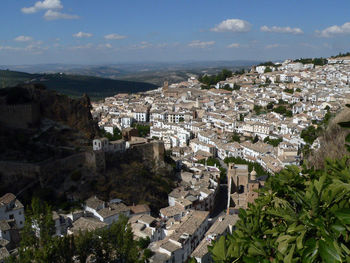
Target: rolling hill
[{"x": 75, "y": 85}]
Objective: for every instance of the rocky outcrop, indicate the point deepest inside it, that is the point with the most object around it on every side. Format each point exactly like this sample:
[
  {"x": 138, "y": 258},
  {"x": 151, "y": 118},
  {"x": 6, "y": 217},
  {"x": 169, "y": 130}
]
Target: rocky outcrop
[
  {"x": 60, "y": 108},
  {"x": 74, "y": 113}
]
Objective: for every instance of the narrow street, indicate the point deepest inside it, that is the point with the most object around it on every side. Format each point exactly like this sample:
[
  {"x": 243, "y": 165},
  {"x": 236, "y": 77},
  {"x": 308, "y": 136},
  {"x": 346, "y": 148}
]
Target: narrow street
[{"x": 220, "y": 202}]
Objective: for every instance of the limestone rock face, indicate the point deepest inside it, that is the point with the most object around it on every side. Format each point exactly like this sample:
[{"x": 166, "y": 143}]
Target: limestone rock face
[
  {"x": 74, "y": 113},
  {"x": 25, "y": 105}
]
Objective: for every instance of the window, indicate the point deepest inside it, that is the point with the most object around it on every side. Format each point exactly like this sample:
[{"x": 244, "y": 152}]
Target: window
[{"x": 11, "y": 216}]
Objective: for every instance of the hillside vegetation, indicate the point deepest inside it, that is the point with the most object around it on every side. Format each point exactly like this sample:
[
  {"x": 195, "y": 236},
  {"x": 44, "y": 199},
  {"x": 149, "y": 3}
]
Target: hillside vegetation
[
  {"x": 332, "y": 140},
  {"x": 75, "y": 85}
]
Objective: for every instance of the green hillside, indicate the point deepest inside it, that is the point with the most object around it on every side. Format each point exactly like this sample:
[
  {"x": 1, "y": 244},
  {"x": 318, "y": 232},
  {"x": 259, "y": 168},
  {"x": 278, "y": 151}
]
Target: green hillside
[{"x": 75, "y": 85}]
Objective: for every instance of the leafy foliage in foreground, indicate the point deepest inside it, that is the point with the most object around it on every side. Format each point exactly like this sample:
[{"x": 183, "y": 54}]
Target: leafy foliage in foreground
[
  {"x": 115, "y": 244},
  {"x": 298, "y": 217}
]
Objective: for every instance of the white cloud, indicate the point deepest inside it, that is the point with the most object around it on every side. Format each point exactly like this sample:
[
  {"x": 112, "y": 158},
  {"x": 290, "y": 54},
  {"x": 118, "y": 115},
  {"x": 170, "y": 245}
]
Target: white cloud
[
  {"x": 201, "y": 44},
  {"x": 104, "y": 46},
  {"x": 335, "y": 30},
  {"x": 234, "y": 45},
  {"x": 34, "y": 48},
  {"x": 114, "y": 37},
  {"x": 86, "y": 46},
  {"x": 82, "y": 34},
  {"x": 272, "y": 46},
  {"x": 10, "y": 48},
  {"x": 41, "y": 5},
  {"x": 142, "y": 45},
  {"x": 52, "y": 8},
  {"x": 232, "y": 25},
  {"x": 277, "y": 29},
  {"x": 162, "y": 45},
  {"x": 327, "y": 45},
  {"x": 308, "y": 45},
  {"x": 23, "y": 39},
  {"x": 54, "y": 15}
]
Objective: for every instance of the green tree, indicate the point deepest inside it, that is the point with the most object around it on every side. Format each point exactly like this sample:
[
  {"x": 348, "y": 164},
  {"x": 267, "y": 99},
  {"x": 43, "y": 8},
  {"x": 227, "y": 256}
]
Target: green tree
[
  {"x": 236, "y": 137},
  {"x": 143, "y": 242},
  {"x": 241, "y": 117},
  {"x": 257, "y": 109},
  {"x": 214, "y": 79},
  {"x": 273, "y": 142},
  {"x": 291, "y": 91},
  {"x": 143, "y": 130},
  {"x": 280, "y": 109},
  {"x": 267, "y": 69},
  {"x": 309, "y": 134},
  {"x": 117, "y": 134},
  {"x": 211, "y": 162},
  {"x": 296, "y": 218},
  {"x": 251, "y": 165},
  {"x": 270, "y": 105},
  {"x": 236, "y": 86}
]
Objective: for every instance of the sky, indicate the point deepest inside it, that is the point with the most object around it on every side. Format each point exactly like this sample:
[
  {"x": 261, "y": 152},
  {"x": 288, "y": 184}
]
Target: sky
[{"x": 120, "y": 31}]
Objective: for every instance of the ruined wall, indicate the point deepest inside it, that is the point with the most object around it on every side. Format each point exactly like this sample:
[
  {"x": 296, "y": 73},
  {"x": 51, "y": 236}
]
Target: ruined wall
[
  {"x": 15, "y": 175},
  {"x": 148, "y": 152},
  {"x": 14, "y": 168}
]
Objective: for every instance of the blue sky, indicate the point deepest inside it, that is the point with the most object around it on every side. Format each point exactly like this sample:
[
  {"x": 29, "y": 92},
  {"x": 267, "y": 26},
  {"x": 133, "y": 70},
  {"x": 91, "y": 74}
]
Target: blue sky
[{"x": 115, "y": 31}]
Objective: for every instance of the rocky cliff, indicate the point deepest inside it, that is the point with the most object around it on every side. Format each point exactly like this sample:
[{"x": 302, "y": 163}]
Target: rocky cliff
[{"x": 74, "y": 113}]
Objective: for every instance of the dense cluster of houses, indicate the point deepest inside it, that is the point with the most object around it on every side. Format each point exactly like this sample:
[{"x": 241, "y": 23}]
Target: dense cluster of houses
[{"x": 198, "y": 123}]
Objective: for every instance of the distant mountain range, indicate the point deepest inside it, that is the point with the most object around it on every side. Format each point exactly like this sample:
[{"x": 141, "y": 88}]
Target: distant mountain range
[
  {"x": 75, "y": 85},
  {"x": 152, "y": 72}
]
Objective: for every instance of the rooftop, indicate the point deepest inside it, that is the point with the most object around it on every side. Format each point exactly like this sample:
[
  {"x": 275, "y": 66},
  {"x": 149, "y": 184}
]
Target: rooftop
[{"x": 86, "y": 224}]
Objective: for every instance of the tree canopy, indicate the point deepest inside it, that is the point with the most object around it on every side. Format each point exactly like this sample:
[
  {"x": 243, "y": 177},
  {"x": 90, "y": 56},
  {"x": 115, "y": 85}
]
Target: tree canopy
[
  {"x": 213, "y": 79},
  {"x": 315, "y": 61}
]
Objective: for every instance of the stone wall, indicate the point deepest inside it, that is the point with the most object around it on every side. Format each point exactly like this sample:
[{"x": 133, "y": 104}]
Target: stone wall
[
  {"x": 51, "y": 172},
  {"x": 10, "y": 169},
  {"x": 148, "y": 152}
]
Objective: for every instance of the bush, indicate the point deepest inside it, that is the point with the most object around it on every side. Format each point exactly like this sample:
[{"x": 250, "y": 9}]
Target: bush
[
  {"x": 309, "y": 134},
  {"x": 143, "y": 242},
  {"x": 273, "y": 142},
  {"x": 211, "y": 162}
]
